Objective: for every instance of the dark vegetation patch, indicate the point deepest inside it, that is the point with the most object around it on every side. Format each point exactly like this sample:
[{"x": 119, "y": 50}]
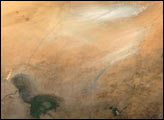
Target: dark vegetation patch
[
  {"x": 40, "y": 103},
  {"x": 23, "y": 83}
]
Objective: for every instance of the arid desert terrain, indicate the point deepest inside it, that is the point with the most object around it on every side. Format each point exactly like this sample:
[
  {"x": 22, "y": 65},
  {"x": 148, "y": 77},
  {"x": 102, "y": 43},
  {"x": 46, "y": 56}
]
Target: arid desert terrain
[{"x": 93, "y": 56}]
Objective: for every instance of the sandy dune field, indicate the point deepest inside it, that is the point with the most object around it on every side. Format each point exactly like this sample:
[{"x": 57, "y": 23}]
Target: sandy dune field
[{"x": 93, "y": 55}]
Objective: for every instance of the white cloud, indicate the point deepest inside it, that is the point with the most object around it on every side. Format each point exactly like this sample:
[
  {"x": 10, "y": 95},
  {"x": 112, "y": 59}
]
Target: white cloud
[{"x": 109, "y": 13}]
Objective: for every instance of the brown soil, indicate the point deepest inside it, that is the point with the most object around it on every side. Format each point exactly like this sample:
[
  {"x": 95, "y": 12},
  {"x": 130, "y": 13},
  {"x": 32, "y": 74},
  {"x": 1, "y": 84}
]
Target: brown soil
[{"x": 78, "y": 60}]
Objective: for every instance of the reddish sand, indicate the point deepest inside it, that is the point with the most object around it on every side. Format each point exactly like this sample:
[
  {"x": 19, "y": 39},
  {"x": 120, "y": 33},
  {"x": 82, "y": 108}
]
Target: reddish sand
[{"x": 92, "y": 61}]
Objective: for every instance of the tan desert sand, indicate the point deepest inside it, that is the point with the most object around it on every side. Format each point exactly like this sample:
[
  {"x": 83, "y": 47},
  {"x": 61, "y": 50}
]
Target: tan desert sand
[{"x": 93, "y": 55}]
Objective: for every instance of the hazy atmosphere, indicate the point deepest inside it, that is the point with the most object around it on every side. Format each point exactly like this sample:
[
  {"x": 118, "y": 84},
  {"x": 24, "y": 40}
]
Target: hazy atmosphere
[{"x": 77, "y": 59}]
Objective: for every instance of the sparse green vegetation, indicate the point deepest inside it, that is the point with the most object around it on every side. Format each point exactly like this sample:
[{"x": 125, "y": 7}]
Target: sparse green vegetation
[
  {"x": 41, "y": 104},
  {"x": 115, "y": 111}
]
